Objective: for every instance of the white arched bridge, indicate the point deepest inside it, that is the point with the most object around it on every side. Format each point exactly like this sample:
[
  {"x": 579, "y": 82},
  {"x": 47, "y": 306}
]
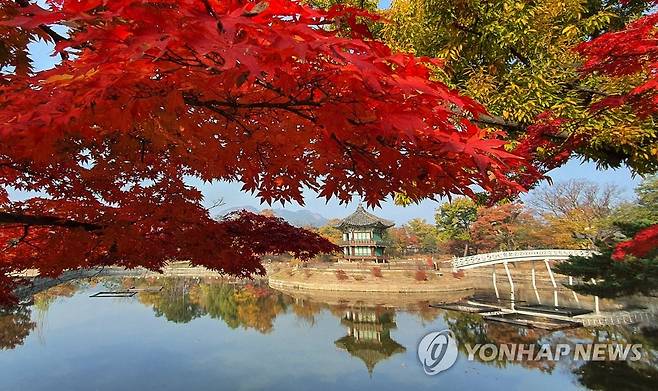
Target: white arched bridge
[
  {"x": 507, "y": 257},
  {"x": 503, "y": 257},
  {"x": 548, "y": 310}
]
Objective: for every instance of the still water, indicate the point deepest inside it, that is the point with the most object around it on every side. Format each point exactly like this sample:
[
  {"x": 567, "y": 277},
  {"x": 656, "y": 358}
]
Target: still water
[{"x": 208, "y": 335}]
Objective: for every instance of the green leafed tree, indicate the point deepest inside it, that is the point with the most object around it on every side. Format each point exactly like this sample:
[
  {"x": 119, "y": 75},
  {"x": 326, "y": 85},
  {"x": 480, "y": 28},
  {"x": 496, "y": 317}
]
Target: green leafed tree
[
  {"x": 606, "y": 276},
  {"x": 454, "y": 219},
  {"x": 329, "y": 231},
  {"x": 518, "y": 59},
  {"x": 631, "y": 217},
  {"x": 426, "y": 233}
]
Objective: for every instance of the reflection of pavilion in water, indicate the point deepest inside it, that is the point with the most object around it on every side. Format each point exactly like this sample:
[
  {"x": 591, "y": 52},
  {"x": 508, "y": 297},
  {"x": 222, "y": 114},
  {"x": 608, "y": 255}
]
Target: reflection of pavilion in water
[{"x": 369, "y": 335}]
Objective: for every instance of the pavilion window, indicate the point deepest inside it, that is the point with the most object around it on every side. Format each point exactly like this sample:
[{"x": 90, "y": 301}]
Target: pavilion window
[{"x": 360, "y": 250}]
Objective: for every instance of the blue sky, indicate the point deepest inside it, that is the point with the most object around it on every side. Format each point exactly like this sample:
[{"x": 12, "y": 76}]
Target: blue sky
[{"x": 232, "y": 196}]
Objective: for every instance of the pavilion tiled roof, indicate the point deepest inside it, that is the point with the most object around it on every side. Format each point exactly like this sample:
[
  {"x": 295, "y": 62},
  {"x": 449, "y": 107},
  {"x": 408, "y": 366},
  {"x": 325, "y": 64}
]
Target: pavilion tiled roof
[
  {"x": 361, "y": 218},
  {"x": 370, "y": 353}
]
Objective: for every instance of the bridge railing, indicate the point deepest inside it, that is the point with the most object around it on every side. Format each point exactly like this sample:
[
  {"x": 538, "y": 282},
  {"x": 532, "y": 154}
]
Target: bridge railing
[{"x": 472, "y": 261}]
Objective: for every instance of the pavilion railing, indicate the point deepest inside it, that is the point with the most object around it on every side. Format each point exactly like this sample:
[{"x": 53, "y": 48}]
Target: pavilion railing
[{"x": 366, "y": 242}]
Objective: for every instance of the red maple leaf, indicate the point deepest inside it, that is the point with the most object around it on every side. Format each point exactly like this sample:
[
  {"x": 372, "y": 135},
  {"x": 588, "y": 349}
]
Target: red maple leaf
[
  {"x": 150, "y": 93},
  {"x": 642, "y": 244}
]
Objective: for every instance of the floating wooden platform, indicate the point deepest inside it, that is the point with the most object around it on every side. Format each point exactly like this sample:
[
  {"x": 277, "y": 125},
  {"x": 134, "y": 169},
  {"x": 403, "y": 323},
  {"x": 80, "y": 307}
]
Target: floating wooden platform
[
  {"x": 494, "y": 299},
  {"x": 130, "y": 292},
  {"x": 114, "y": 294},
  {"x": 151, "y": 289},
  {"x": 532, "y": 321},
  {"x": 553, "y": 310},
  {"x": 525, "y": 316},
  {"x": 465, "y": 307}
]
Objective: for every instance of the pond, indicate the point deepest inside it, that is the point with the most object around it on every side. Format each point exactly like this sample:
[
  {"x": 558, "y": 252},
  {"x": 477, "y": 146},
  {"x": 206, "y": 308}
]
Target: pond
[{"x": 204, "y": 334}]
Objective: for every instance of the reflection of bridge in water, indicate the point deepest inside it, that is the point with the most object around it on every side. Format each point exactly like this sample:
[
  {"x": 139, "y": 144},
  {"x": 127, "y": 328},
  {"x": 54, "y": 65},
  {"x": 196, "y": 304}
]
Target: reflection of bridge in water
[{"x": 554, "y": 311}]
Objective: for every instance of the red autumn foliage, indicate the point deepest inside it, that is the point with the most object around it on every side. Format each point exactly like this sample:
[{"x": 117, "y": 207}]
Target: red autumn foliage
[
  {"x": 458, "y": 274},
  {"x": 643, "y": 243},
  {"x": 633, "y": 50},
  {"x": 420, "y": 275},
  {"x": 151, "y": 93},
  {"x": 341, "y": 275},
  {"x": 500, "y": 227},
  {"x": 630, "y": 51},
  {"x": 377, "y": 272}
]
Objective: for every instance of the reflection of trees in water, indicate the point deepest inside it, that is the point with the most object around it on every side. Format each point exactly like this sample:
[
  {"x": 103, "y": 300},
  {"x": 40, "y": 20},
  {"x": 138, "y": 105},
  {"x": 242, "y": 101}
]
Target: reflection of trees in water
[
  {"x": 182, "y": 300},
  {"x": 16, "y": 323},
  {"x": 245, "y": 306},
  {"x": 615, "y": 375},
  {"x": 173, "y": 301},
  {"x": 424, "y": 312},
  {"x": 15, "y": 326},
  {"x": 43, "y": 300},
  {"x": 368, "y": 327},
  {"x": 306, "y": 310}
]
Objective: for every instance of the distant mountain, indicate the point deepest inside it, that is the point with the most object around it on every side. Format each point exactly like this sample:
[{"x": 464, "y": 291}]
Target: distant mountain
[
  {"x": 301, "y": 218},
  {"x": 236, "y": 208},
  {"x": 298, "y": 218}
]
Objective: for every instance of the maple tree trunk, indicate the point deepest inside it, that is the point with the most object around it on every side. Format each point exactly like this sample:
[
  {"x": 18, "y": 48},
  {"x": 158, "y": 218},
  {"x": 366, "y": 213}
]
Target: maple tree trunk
[{"x": 16, "y": 218}]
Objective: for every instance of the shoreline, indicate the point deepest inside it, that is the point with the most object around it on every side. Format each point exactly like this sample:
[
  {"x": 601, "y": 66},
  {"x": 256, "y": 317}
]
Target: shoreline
[{"x": 363, "y": 288}]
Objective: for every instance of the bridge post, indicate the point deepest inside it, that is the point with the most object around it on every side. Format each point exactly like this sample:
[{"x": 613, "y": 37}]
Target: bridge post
[
  {"x": 534, "y": 283},
  {"x": 511, "y": 286},
  {"x": 596, "y": 300},
  {"x": 493, "y": 278},
  {"x": 575, "y": 296},
  {"x": 550, "y": 274}
]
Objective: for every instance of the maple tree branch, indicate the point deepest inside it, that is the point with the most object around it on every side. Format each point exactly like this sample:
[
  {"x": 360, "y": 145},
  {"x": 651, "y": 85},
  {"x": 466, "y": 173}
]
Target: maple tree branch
[
  {"x": 491, "y": 120},
  {"x": 519, "y": 56},
  {"x": 50, "y": 221},
  {"x": 209, "y": 9},
  {"x": 573, "y": 86},
  {"x": 53, "y": 34},
  {"x": 291, "y": 106},
  {"x": 48, "y": 30}
]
